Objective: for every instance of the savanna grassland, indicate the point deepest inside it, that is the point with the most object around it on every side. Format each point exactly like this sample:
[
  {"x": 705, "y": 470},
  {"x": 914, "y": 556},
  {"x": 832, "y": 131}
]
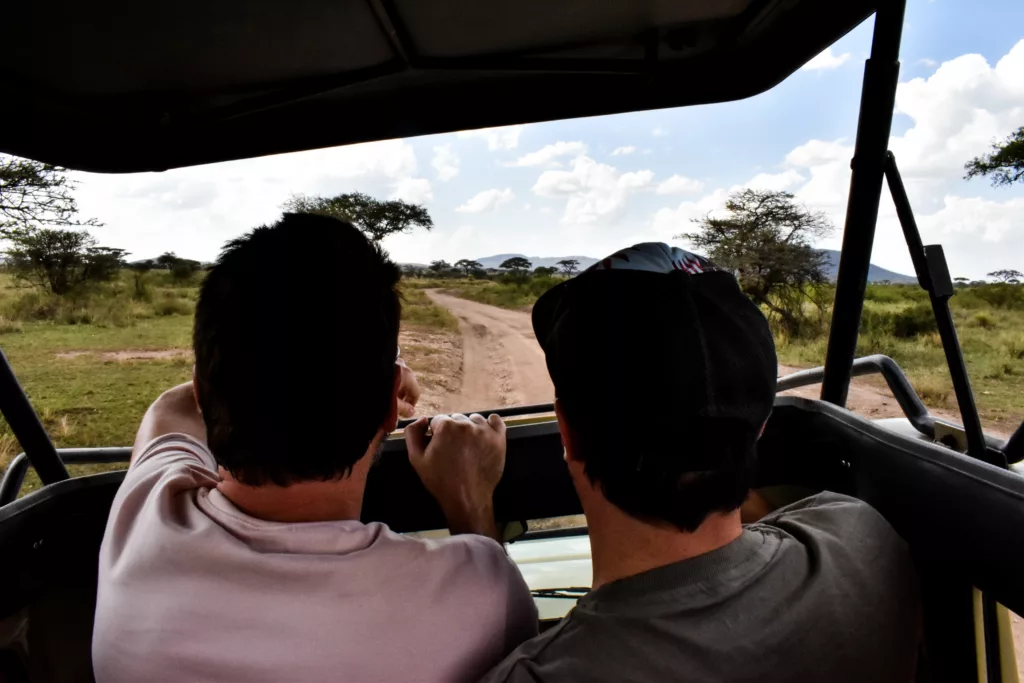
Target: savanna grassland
[{"x": 92, "y": 364}]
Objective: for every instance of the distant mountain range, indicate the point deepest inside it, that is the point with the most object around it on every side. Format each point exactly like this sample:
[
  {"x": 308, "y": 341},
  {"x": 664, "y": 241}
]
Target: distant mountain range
[
  {"x": 537, "y": 261},
  {"x": 875, "y": 273}
]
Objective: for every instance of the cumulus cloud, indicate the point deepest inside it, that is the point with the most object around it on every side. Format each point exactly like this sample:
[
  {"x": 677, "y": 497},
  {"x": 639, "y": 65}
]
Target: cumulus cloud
[
  {"x": 194, "y": 211},
  {"x": 826, "y": 61},
  {"x": 504, "y": 138},
  {"x": 955, "y": 114},
  {"x": 445, "y": 162},
  {"x": 593, "y": 191},
  {"x": 678, "y": 184},
  {"x": 415, "y": 190},
  {"x": 488, "y": 200},
  {"x": 547, "y": 155},
  {"x": 623, "y": 151},
  {"x": 659, "y": 132}
]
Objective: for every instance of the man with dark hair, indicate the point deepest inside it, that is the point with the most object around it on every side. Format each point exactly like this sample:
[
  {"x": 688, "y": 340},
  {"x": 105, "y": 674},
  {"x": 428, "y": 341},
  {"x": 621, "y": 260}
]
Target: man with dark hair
[
  {"x": 234, "y": 549},
  {"x": 822, "y": 590}
]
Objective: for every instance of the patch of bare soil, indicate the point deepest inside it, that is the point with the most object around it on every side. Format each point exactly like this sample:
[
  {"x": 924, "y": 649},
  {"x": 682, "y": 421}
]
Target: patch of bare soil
[
  {"x": 437, "y": 361},
  {"x": 128, "y": 354}
]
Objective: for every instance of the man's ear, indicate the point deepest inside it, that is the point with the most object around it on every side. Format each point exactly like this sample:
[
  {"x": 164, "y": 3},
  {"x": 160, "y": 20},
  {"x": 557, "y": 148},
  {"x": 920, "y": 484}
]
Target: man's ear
[
  {"x": 567, "y": 438},
  {"x": 391, "y": 420}
]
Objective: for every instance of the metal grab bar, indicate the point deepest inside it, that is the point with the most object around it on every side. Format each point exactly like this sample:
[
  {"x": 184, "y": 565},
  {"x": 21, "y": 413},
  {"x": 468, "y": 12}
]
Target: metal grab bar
[{"x": 15, "y": 475}]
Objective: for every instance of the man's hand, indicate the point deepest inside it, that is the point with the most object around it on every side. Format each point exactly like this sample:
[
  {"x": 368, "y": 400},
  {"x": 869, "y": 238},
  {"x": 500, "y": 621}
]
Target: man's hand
[
  {"x": 408, "y": 390},
  {"x": 461, "y": 467}
]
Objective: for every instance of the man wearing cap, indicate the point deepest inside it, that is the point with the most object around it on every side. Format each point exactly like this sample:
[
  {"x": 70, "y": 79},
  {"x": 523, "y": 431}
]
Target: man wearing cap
[{"x": 664, "y": 374}]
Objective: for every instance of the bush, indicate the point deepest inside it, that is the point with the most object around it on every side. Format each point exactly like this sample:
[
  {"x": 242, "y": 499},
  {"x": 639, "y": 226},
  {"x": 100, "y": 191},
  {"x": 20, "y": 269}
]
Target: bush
[
  {"x": 1001, "y": 295},
  {"x": 7, "y": 326},
  {"x": 891, "y": 294},
  {"x": 983, "y": 320},
  {"x": 904, "y": 323},
  {"x": 172, "y": 305}
]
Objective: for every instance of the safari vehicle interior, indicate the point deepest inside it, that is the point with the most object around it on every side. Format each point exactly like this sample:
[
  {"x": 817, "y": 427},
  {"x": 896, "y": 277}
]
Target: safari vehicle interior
[{"x": 159, "y": 86}]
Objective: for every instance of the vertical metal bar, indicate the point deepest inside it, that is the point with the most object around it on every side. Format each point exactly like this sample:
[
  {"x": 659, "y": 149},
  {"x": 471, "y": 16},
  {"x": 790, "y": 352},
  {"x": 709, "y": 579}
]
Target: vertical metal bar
[
  {"x": 878, "y": 96},
  {"x": 976, "y": 446},
  {"x": 27, "y": 428}
]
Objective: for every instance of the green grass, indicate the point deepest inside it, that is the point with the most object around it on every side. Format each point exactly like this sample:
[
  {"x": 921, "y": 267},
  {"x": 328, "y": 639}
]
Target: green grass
[
  {"x": 90, "y": 400},
  {"x": 508, "y": 293},
  {"x": 419, "y": 312}
]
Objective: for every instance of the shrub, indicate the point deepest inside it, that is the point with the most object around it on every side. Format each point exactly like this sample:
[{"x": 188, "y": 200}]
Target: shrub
[
  {"x": 904, "y": 323},
  {"x": 1000, "y": 295},
  {"x": 983, "y": 320},
  {"x": 890, "y": 294},
  {"x": 169, "y": 305},
  {"x": 7, "y": 326}
]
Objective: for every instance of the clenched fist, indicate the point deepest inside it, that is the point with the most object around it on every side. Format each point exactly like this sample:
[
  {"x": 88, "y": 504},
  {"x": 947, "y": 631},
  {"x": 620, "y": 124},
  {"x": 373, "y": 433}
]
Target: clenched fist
[{"x": 460, "y": 467}]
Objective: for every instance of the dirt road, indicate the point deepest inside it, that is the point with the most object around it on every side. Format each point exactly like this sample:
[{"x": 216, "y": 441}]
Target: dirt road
[{"x": 502, "y": 364}]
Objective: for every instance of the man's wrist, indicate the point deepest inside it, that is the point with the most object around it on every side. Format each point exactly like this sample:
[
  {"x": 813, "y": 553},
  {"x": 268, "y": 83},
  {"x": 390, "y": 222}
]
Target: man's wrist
[{"x": 475, "y": 519}]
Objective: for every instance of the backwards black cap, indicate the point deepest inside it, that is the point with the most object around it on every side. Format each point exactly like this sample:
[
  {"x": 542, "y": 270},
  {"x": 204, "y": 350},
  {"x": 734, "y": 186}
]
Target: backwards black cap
[{"x": 652, "y": 352}]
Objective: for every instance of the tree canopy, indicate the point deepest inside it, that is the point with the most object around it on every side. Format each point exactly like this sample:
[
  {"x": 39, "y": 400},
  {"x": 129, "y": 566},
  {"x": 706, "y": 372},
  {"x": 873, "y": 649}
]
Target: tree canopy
[
  {"x": 517, "y": 264},
  {"x": 33, "y": 194},
  {"x": 1007, "y": 275},
  {"x": 766, "y": 240},
  {"x": 468, "y": 266},
  {"x": 58, "y": 260},
  {"x": 1004, "y": 163},
  {"x": 569, "y": 266},
  {"x": 376, "y": 218},
  {"x": 439, "y": 268}
]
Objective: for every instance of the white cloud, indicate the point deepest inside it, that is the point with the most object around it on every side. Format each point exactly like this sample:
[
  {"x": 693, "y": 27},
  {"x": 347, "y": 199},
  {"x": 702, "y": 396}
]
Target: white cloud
[
  {"x": 488, "y": 200},
  {"x": 678, "y": 184},
  {"x": 445, "y": 162},
  {"x": 593, "y": 190},
  {"x": 506, "y": 137},
  {"x": 415, "y": 190},
  {"x": 623, "y": 151},
  {"x": 194, "y": 211},
  {"x": 776, "y": 182},
  {"x": 659, "y": 132},
  {"x": 925, "y": 61},
  {"x": 826, "y": 61},
  {"x": 955, "y": 114},
  {"x": 545, "y": 156}
]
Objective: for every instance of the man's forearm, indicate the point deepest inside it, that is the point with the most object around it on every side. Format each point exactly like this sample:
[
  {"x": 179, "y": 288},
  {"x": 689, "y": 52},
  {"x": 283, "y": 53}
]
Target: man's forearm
[{"x": 477, "y": 521}]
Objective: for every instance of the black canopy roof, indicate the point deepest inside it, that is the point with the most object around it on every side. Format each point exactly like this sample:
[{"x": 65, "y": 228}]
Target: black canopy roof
[{"x": 122, "y": 85}]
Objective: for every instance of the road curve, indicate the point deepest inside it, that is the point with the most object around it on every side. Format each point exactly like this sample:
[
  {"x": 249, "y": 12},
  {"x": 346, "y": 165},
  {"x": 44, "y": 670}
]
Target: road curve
[{"x": 502, "y": 364}]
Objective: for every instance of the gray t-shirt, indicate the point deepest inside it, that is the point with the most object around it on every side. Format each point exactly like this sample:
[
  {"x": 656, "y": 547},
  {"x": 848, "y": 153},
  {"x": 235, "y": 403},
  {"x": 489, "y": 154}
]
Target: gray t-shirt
[{"x": 821, "y": 590}]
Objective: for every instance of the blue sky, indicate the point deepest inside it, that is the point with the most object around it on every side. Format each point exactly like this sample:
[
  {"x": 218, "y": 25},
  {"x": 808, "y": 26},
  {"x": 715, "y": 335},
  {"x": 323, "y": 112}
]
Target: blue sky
[{"x": 591, "y": 186}]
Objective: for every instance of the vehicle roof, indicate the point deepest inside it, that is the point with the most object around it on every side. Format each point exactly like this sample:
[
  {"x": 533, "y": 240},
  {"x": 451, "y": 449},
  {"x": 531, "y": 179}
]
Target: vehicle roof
[{"x": 121, "y": 86}]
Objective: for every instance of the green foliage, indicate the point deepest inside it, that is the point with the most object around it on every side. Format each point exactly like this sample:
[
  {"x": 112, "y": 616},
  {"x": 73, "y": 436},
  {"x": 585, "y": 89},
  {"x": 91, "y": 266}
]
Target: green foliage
[
  {"x": 1007, "y": 275},
  {"x": 57, "y": 260},
  {"x": 887, "y": 294},
  {"x": 1004, "y": 163},
  {"x": 1000, "y": 295},
  {"x": 376, "y": 218},
  {"x": 569, "y": 266},
  {"x": 766, "y": 239},
  {"x": 468, "y": 266},
  {"x": 902, "y": 323},
  {"x": 33, "y": 194},
  {"x": 419, "y": 311},
  {"x": 514, "y": 293},
  {"x": 544, "y": 271}
]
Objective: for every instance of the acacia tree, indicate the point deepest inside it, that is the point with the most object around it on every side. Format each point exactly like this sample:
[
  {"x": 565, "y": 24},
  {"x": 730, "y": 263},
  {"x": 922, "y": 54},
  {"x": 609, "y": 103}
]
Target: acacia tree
[
  {"x": 468, "y": 266},
  {"x": 1007, "y": 275},
  {"x": 569, "y": 266},
  {"x": 34, "y": 194},
  {"x": 376, "y": 218},
  {"x": 439, "y": 268},
  {"x": 517, "y": 265},
  {"x": 766, "y": 240},
  {"x": 1004, "y": 163},
  {"x": 59, "y": 261}
]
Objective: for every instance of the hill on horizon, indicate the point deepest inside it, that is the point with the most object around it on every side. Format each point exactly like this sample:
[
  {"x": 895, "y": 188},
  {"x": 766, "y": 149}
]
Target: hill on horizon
[{"x": 875, "y": 273}]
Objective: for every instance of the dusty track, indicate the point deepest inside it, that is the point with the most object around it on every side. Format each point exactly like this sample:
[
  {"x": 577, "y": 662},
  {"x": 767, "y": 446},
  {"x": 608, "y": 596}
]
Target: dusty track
[{"x": 502, "y": 364}]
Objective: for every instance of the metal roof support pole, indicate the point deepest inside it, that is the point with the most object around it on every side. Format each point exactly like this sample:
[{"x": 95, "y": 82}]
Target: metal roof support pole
[
  {"x": 15, "y": 406},
  {"x": 877, "y": 99}
]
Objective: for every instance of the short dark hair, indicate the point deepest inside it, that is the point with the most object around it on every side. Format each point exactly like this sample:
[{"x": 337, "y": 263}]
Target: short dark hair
[
  {"x": 296, "y": 334},
  {"x": 636, "y": 467}
]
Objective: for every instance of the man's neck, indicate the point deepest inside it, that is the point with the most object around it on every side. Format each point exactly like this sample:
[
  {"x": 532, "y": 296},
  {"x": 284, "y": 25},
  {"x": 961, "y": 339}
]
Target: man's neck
[
  {"x": 307, "y": 501},
  {"x": 622, "y": 546}
]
